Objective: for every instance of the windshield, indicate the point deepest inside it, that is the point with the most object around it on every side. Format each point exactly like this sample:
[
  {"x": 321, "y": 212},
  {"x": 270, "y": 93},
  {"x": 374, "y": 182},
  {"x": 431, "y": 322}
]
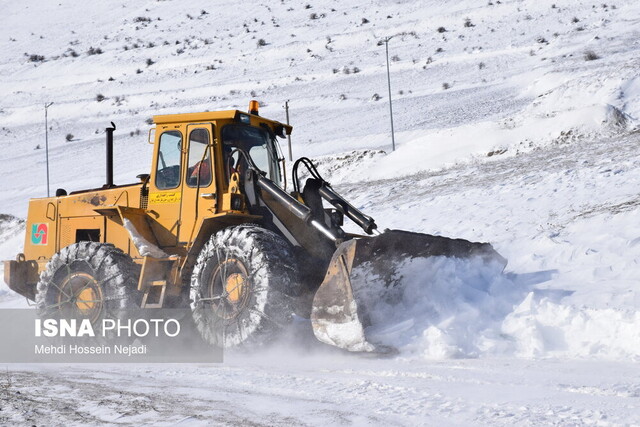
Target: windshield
[{"x": 257, "y": 143}]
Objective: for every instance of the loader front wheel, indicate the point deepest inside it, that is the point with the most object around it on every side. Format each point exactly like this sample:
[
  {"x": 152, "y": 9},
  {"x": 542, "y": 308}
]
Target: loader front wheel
[
  {"x": 242, "y": 286},
  {"x": 87, "y": 280}
]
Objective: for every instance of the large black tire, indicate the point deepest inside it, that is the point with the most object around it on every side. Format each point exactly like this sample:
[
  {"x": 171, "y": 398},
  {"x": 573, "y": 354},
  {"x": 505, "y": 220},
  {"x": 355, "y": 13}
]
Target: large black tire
[
  {"x": 88, "y": 280},
  {"x": 242, "y": 286}
]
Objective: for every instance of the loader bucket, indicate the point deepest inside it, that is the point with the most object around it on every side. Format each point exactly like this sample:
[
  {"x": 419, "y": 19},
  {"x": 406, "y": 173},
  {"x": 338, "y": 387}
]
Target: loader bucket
[{"x": 340, "y": 314}]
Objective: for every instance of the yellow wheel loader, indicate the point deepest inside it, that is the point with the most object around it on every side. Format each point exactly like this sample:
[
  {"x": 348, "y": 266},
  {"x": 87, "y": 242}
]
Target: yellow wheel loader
[{"x": 211, "y": 227}]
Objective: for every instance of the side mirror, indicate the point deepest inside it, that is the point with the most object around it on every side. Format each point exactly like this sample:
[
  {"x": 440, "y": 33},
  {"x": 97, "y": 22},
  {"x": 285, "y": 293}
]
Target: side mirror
[{"x": 280, "y": 131}]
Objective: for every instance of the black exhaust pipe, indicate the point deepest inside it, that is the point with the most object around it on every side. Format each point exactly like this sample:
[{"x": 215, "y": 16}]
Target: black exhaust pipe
[{"x": 109, "y": 131}]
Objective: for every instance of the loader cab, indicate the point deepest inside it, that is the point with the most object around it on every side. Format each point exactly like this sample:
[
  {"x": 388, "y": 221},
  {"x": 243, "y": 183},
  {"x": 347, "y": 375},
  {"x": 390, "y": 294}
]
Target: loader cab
[{"x": 195, "y": 157}]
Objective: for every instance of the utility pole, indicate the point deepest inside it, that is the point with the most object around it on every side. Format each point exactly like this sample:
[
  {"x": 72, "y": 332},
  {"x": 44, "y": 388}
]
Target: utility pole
[
  {"x": 286, "y": 108},
  {"x": 46, "y": 140},
  {"x": 386, "y": 46}
]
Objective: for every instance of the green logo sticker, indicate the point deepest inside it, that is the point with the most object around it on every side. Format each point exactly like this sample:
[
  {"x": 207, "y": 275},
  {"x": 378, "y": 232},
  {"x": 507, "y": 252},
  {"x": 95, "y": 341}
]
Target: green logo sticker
[{"x": 39, "y": 233}]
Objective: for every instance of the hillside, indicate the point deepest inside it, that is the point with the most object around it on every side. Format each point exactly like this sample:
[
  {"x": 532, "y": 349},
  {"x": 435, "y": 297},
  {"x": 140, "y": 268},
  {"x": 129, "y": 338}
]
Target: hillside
[{"x": 518, "y": 75}]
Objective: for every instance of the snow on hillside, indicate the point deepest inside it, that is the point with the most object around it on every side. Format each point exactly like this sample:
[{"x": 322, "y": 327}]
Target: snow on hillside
[
  {"x": 517, "y": 73},
  {"x": 517, "y": 123}
]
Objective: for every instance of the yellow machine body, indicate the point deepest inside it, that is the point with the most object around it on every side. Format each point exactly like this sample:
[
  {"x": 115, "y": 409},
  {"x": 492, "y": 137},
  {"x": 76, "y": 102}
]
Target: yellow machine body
[{"x": 173, "y": 218}]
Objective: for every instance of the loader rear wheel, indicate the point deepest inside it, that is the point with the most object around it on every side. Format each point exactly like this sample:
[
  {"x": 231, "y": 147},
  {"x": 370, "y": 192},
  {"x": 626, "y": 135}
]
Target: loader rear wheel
[
  {"x": 242, "y": 286},
  {"x": 87, "y": 280}
]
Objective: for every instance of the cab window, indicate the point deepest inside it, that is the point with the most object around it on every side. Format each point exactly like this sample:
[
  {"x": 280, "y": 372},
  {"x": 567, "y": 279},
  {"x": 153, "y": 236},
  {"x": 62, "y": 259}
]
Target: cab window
[
  {"x": 199, "y": 162},
  {"x": 168, "y": 164},
  {"x": 257, "y": 143}
]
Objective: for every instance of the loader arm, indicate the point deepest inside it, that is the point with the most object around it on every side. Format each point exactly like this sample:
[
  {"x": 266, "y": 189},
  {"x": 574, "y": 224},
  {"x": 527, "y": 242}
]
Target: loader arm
[
  {"x": 304, "y": 224},
  {"x": 291, "y": 218}
]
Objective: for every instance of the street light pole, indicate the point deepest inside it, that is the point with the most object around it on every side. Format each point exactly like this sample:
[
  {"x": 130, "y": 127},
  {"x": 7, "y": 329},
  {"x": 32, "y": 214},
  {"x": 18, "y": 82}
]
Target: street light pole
[
  {"x": 286, "y": 108},
  {"x": 386, "y": 46},
  {"x": 46, "y": 140}
]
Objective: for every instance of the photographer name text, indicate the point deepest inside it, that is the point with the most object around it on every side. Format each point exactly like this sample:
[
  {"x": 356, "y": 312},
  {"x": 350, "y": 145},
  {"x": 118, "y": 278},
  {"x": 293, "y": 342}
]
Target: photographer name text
[{"x": 73, "y": 349}]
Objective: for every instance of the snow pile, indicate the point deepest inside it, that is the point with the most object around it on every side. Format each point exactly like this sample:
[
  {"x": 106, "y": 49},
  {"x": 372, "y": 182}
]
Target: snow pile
[
  {"x": 342, "y": 167},
  {"x": 541, "y": 327},
  {"x": 566, "y": 109},
  {"x": 441, "y": 308},
  {"x": 630, "y": 98},
  {"x": 590, "y": 103},
  {"x": 438, "y": 307}
]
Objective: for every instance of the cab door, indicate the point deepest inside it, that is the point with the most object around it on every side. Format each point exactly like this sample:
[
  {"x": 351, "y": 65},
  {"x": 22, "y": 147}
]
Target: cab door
[
  {"x": 165, "y": 186},
  {"x": 199, "y": 183}
]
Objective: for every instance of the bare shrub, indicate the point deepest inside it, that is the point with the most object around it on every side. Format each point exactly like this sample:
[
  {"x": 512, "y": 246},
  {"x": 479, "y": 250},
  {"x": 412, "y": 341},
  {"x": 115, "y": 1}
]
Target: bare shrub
[
  {"x": 35, "y": 58},
  {"x": 590, "y": 56}
]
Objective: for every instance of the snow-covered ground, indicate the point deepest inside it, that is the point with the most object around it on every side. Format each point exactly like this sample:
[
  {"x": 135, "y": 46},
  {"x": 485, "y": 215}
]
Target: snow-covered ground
[
  {"x": 516, "y": 123},
  {"x": 295, "y": 390}
]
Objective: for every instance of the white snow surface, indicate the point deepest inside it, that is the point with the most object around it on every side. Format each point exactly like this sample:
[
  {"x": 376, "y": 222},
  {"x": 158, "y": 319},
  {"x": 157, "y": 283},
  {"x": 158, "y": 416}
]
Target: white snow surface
[
  {"x": 437, "y": 307},
  {"x": 519, "y": 128}
]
